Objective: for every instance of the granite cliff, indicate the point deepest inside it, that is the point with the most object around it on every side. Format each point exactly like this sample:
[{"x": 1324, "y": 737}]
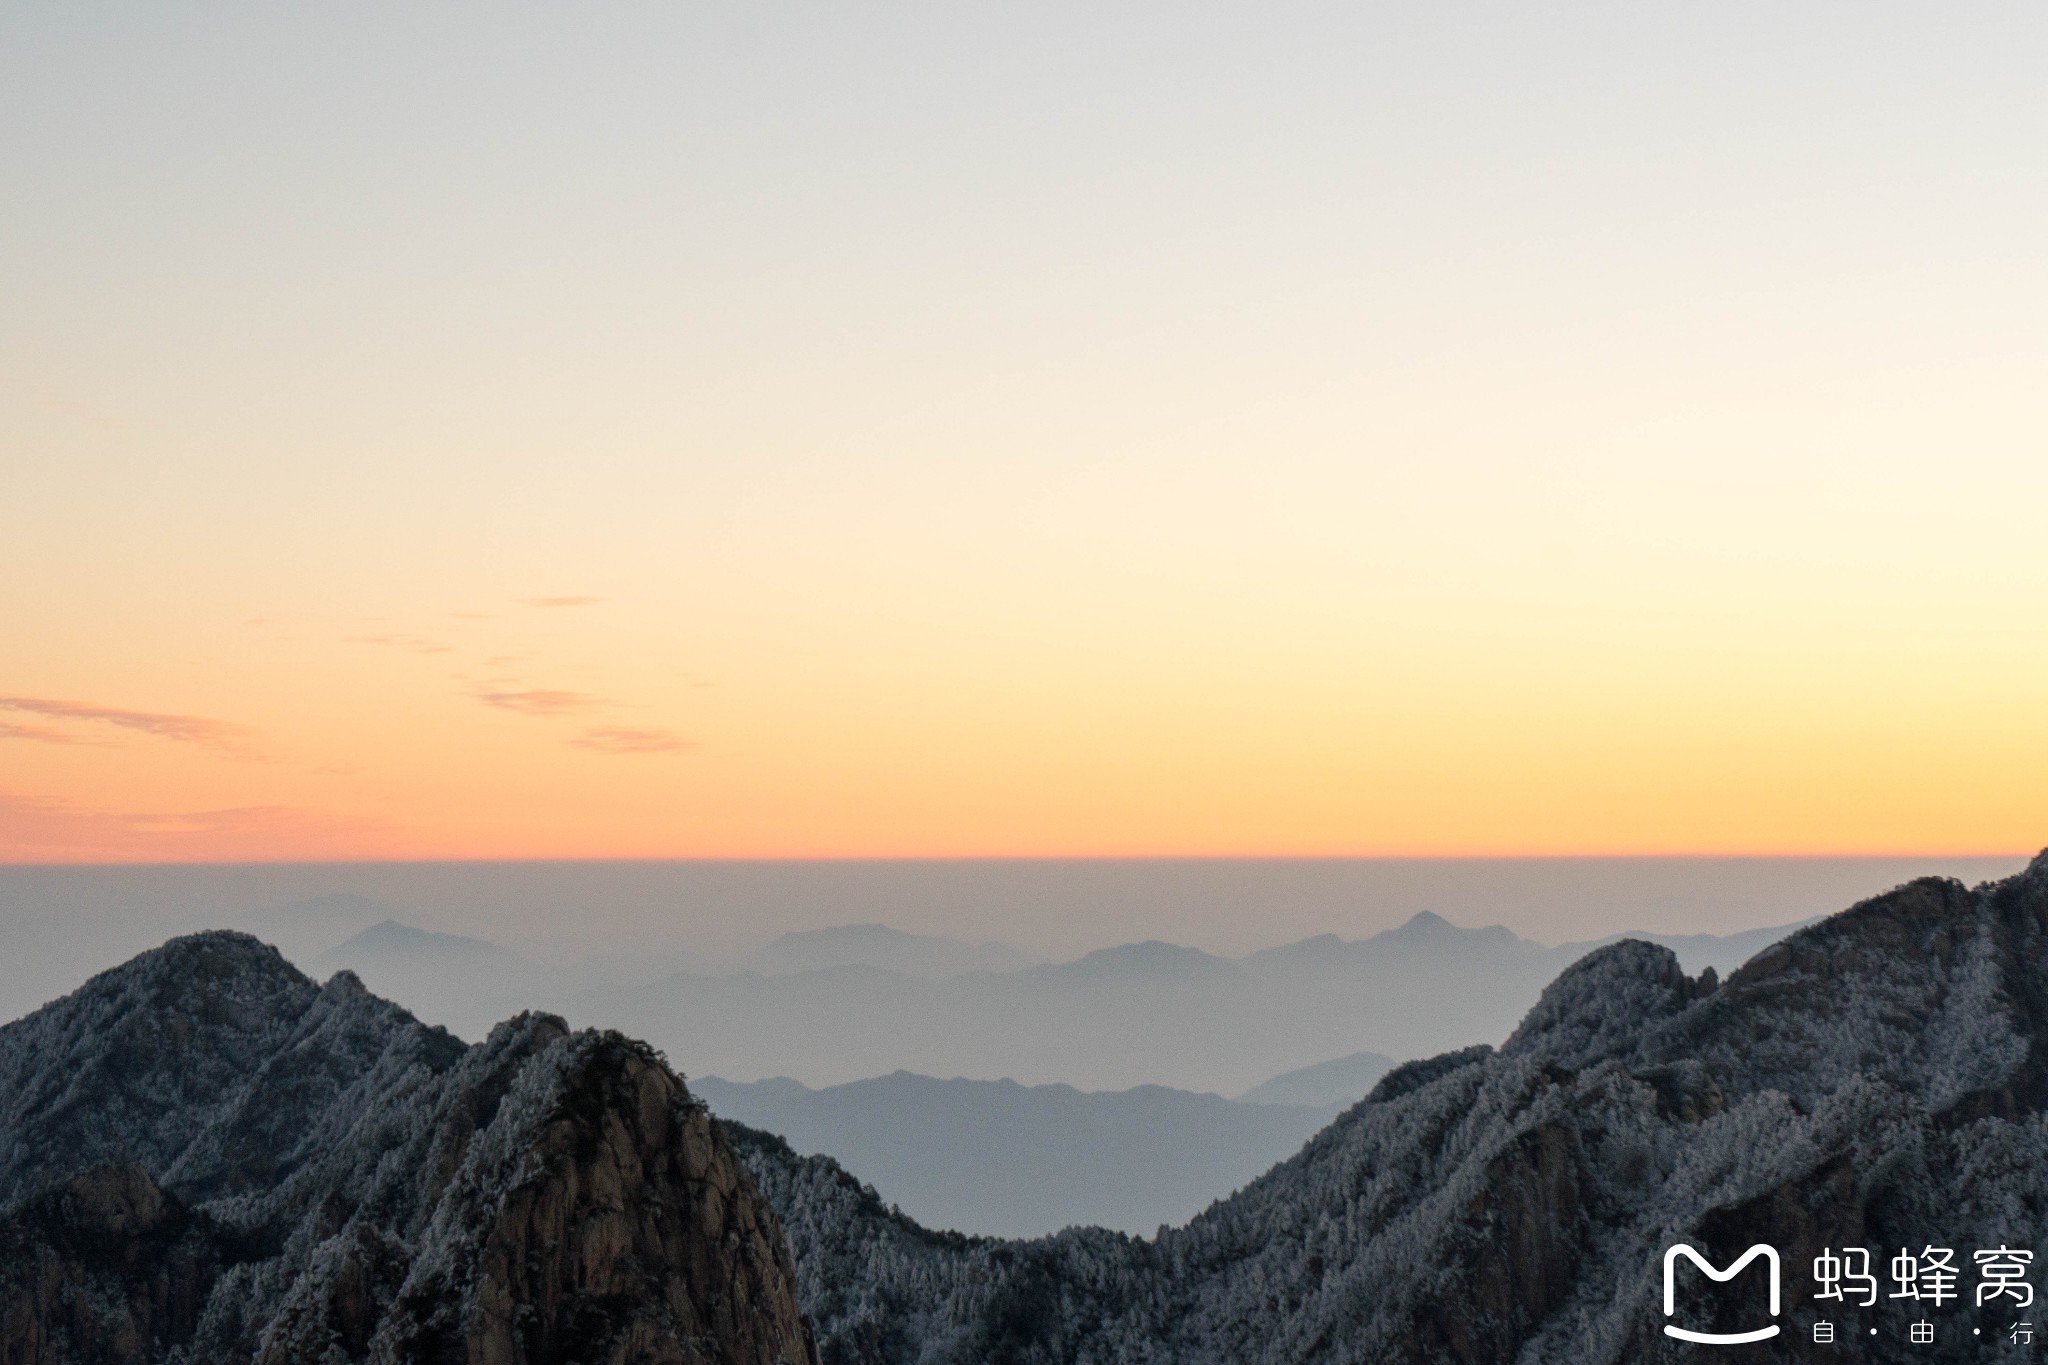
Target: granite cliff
[{"x": 205, "y": 1157}]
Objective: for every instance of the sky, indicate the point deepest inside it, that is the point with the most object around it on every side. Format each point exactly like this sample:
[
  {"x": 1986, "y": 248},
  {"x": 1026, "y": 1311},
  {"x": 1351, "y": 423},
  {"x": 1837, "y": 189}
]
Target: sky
[{"x": 921, "y": 430}]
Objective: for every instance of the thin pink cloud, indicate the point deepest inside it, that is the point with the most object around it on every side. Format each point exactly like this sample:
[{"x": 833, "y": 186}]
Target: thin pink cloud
[
  {"x": 219, "y": 736},
  {"x": 541, "y": 702},
  {"x": 625, "y": 741},
  {"x": 40, "y": 733}
]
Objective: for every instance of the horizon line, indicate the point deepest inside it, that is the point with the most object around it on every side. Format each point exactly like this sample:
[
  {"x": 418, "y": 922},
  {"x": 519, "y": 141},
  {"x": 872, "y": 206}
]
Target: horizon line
[{"x": 1036, "y": 858}]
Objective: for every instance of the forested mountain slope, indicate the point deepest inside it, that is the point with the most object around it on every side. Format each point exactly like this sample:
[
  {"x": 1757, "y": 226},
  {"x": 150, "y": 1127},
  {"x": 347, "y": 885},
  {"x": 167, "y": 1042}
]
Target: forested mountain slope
[
  {"x": 204, "y": 1157},
  {"x": 1877, "y": 1080}
]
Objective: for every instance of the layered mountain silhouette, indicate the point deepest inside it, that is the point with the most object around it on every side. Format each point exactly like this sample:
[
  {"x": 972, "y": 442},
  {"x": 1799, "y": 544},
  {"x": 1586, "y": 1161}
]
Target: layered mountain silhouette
[
  {"x": 830, "y": 1006},
  {"x": 1337, "y": 1083},
  {"x": 1877, "y": 1080},
  {"x": 1140, "y": 1014},
  {"x": 1002, "y": 1158},
  {"x": 856, "y": 1001},
  {"x": 303, "y": 929},
  {"x": 443, "y": 978},
  {"x": 205, "y": 1157}
]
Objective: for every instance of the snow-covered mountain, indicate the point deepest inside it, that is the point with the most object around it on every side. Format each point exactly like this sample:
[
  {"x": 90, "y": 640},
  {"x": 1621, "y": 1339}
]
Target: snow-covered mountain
[
  {"x": 1878, "y": 1080},
  {"x": 205, "y": 1157}
]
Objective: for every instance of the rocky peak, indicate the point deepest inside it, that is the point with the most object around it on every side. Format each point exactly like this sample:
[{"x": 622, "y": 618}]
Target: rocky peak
[
  {"x": 352, "y": 1186},
  {"x": 1874, "y": 1081},
  {"x": 1919, "y": 988},
  {"x": 1602, "y": 1004},
  {"x": 141, "y": 1057},
  {"x": 2037, "y": 870}
]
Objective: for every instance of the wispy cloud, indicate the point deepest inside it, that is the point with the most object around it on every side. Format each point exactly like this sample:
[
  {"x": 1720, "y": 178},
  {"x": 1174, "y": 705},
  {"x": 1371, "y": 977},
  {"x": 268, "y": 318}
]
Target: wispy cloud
[
  {"x": 563, "y": 601},
  {"x": 542, "y": 702},
  {"x": 41, "y": 733},
  {"x": 623, "y": 741},
  {"x": 219, "y": 736},
  {"x": 419, "y": 644}
]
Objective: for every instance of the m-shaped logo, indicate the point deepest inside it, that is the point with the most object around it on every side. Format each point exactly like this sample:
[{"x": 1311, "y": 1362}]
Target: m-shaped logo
[{"x": 1770, "y": 1257}]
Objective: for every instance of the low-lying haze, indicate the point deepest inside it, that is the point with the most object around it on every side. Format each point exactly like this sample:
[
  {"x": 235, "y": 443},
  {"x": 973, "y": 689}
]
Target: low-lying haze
[{"x": 1206, "y": 975}]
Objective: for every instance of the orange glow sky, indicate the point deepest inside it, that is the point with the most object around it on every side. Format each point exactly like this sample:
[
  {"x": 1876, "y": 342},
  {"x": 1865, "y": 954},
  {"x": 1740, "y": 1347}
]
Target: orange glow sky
[{"x": 787, "y": 432}]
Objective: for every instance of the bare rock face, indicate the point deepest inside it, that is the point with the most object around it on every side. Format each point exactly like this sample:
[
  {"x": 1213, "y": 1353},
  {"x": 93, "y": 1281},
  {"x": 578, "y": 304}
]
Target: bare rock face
[
  {"x": 635, "y": 1237},
  {"x": 349, "y": 1186},
  {"x": 104, "y": 1267}
]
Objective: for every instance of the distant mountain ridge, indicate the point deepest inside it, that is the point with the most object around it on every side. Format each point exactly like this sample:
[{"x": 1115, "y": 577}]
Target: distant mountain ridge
[
  {"x": 304, "y": 929},
  {"x": 444, "y": 977},
  {"x": 861, "y": 1000},
  {"x": 388, "y": 940},
  {"x": 1336, "y": 1084},
  {"x": 834, "y": 1006},
  {"x": 1143, "y": 1013},
  {"x": 601, "y": 927},
  {"x": 1879, "y": 1079},
  {"x": 996, "y": 1157}
]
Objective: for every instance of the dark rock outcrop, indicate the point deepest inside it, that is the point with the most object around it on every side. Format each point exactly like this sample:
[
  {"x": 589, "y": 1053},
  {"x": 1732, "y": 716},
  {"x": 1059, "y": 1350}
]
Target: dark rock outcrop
[
  {"x": 104, "y": 1267},
  {"x": 206, "y": 1157}
]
